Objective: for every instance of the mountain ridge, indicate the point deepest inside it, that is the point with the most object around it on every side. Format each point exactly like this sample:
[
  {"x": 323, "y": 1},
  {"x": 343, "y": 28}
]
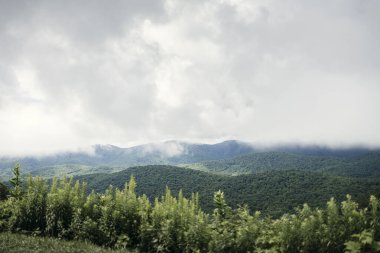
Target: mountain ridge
[{"x": 170, "y": 153}]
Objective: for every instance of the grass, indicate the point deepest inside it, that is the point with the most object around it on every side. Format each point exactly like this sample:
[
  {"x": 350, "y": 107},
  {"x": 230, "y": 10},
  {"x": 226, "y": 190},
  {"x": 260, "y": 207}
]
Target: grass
[{"x": 15, "y": 243}]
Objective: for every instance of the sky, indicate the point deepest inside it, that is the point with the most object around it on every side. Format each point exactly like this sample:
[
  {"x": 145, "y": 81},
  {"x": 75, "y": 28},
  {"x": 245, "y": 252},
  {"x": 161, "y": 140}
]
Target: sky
[{"x": 127, "y": 72}]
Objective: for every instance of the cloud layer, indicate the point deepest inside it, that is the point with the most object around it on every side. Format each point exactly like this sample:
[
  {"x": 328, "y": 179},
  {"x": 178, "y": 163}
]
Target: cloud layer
[{"x": 75, "y": 73}]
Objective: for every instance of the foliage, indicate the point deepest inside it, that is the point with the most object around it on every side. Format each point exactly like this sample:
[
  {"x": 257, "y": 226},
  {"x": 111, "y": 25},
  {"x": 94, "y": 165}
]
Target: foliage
[
  {"x": 16, "y": 182},
  {"x": 363, "y": 242},
  {"x": 15, "y": 243},
  {"x": 363, "y": 165},
  {"x": 119, "y": 218},
  {"x": 4, "y": 191},
  {"x": 273, "y": 192}
]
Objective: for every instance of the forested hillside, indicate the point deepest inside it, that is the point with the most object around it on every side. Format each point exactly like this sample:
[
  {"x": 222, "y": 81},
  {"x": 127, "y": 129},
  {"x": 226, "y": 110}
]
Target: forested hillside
[
  {"x": 360, "y": 165},
  {"x": 120, "y": 219},
  {"x": 273, "y": 192}
]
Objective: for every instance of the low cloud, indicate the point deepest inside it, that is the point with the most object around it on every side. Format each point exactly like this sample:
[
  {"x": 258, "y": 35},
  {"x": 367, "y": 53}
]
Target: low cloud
[{"x": 166, "y": 149}]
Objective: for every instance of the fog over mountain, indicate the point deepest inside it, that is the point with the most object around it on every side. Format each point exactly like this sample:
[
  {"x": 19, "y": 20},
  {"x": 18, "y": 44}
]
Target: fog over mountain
[
  {"x": 132, "y": 72},
  {"x": 171, "y": 152},
  {"x": 113, "y": 158}
]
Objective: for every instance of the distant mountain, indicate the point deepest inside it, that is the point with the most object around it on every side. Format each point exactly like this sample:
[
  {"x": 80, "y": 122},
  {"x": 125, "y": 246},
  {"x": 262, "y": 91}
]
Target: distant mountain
[
  {"x": 358, "y": 165},
  {"x": 170, "y": 152},
  {"x": 274, "y": 192},
  {"x": 316, "y": 150},
  {"x": 249, "y": 158}
]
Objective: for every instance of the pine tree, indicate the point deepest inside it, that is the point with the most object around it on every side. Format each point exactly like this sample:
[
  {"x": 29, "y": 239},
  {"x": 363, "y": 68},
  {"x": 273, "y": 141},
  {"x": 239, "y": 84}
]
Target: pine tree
[{"x": 16, "y": 182}]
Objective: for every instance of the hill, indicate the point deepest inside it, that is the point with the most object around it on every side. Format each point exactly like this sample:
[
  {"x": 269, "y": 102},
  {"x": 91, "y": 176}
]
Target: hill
[
  {"x": 272, "y": 192},
  {"x": 359, "y": 165}
]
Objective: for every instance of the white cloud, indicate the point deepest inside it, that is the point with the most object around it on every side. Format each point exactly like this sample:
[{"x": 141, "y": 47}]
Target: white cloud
[
  {"x": 76, "y": 74},
  {"x": 166, "y": 149}
]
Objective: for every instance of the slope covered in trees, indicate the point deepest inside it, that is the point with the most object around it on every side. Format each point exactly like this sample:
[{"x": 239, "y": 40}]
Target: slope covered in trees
[
  {"x": 362, "y": 165},
  {"x": 273, "y": 192}
]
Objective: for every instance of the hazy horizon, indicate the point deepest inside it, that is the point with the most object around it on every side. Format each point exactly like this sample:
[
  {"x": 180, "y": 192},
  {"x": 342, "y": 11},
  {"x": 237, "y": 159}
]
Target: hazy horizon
[
  {"x": 76, "y": 74},
  {"x": 177, "y": 147}
]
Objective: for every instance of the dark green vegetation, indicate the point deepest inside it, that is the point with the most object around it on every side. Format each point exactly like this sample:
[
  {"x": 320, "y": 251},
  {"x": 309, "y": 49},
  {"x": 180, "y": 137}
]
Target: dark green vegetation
[
  {"x": 273, "y": 192},
  {"x": 4, "y": 192},
  {"x": 16, "y": 243},
  {"x": 121, "y": 219},
  {"x": 363, "y": 165}
]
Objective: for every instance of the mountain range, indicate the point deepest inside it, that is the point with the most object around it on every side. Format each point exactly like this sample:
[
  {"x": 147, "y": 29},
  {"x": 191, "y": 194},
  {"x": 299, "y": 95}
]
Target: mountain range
[
  {"x": 273, "y": 180},
  {"x": 110, "y": 158},
  {"x": 170, "y": 152}
]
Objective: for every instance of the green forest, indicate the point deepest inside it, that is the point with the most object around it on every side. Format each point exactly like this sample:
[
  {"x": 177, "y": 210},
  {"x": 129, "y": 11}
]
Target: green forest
[
  {"x": 273, "y": 192},
  {"x": 361, "y": 165},
  {"x": 119, "y": 218}
]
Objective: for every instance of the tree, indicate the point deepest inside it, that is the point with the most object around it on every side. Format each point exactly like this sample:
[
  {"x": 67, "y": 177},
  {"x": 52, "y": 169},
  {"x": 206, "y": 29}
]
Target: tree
[
  {"x": 222, "y": 210},
  {"x": 16, "y": 182}
]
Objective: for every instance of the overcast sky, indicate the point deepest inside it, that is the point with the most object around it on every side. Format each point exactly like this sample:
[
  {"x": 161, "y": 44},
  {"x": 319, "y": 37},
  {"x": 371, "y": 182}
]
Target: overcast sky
[{"x": 77, "y": 73}]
